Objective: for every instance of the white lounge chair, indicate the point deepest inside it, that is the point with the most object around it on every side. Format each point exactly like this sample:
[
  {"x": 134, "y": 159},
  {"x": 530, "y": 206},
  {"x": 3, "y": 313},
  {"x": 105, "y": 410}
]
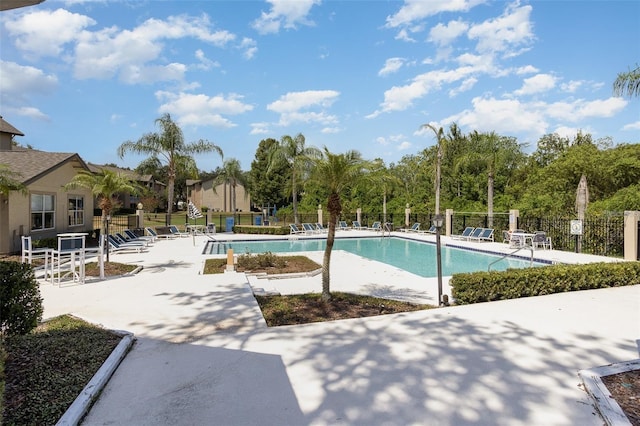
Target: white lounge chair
[
  {"x": 465, "y": 234},
  {"x": 175, "y": 231},
  {"x": 308, "y": 228},
  {"x": 293, "y": 229},
  {"x": 356, "y": 225},
  {"x": 414, "y": 228},
  {"x": 157, "y": 233},
  {"x": 342, "y": 225},
  {"x": 376, "y": 226}
]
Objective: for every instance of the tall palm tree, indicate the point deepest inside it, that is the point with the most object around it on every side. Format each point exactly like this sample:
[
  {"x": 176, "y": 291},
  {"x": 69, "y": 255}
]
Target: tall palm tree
[
  {"x": 627, "y": 82},
  {"x": 168, "y": 147},
  {"x": 105, "y": 186},
  {"x": 232, "y": 174},
  {"x": 336, "y": 173},
  {"x": 439, "y": 136},
  {"x": 294, "y": 152},
  {"x": 383, "y": 180}
]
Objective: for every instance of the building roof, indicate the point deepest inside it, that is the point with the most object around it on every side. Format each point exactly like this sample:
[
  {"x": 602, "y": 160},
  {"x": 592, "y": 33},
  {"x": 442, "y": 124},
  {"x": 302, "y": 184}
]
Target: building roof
[
  {"x": 14, "y": 4},
  {"x": 5, "y": 127},
  {"x": 32, "y": 164},
  {"x": 130, "y": 174}
]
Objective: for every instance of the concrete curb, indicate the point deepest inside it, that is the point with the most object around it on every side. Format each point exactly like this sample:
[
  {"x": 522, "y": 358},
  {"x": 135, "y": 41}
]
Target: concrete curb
[
  {"x": 80, "y": 406},
  {"x": 608, "y": 408}
]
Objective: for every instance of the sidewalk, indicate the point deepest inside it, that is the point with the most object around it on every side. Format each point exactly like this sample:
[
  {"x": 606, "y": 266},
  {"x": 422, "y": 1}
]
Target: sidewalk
[{"x": 205, "y": 356}]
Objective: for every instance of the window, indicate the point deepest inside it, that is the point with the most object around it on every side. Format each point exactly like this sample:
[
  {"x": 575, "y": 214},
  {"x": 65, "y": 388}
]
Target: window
[
  {"x": 76, "y": 210},
  {"x": 43, "y": 215}
]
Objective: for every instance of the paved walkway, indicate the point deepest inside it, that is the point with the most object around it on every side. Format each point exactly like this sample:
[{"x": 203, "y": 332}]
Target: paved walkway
[{"x": 205, "y": 356}]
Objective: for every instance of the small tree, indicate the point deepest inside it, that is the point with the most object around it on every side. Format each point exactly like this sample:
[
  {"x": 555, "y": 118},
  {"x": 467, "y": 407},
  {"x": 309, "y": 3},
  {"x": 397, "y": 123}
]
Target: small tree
[
  {"x": 105, "y": 186},
  {"x": 337, "y": 174},
  {"x": 20, "y": 302}
]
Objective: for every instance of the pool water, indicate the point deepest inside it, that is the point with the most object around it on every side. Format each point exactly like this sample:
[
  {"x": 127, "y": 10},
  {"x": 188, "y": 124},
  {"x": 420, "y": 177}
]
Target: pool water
[{"x": 413, "y": 256}]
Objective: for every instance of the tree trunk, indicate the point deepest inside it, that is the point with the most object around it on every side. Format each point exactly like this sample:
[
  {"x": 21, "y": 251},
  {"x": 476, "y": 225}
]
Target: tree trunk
[
  {"x": 335, "y": 207},
  {"x": 294, "y": 193},
  {"x": 490, "y": 181},
  {"x": 170, "y": 187}
]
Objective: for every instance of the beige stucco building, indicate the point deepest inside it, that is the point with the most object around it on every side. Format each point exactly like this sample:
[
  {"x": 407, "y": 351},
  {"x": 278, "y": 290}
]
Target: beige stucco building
[
  {"x": 202, "y": 194},
  {"x": 45, "y": 208}
]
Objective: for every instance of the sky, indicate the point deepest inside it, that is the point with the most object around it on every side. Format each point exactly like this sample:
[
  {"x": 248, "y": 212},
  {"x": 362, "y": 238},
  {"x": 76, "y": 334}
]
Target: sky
[{"x": 85, "y": 76}]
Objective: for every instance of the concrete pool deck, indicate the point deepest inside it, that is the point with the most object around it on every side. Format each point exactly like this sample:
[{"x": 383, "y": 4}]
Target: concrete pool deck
[{"x": 205, "y": 356}]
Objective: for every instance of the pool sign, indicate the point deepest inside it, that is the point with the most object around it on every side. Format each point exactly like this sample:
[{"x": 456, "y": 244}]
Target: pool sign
[{"x": 576, "y": 227}]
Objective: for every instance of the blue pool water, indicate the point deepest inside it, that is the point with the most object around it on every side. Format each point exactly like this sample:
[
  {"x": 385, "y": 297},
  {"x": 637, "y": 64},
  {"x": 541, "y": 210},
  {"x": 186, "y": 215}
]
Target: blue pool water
[{"x": 413, "y": 256}]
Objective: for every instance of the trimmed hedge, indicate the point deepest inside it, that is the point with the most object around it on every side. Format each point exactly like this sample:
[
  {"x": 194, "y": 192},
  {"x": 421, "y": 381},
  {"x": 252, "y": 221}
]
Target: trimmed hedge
[
  {"x": 20, "y": 302},
  {"x": 515, "y": 283},
  {"x": 262, "y": 230}
]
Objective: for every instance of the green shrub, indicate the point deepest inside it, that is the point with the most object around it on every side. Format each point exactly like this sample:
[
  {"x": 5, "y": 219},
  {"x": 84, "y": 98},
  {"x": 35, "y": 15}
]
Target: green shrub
[
  {"x": 260, "y": 260},
  {"x": 262, "y": 230},
  {"x": 514, "y": 283},
  {"x": 20, "y": 302}
]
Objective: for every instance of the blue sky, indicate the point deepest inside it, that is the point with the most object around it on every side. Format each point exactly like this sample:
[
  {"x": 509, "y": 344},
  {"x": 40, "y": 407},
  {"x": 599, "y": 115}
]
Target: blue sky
[{"x": 85, "y": 76}]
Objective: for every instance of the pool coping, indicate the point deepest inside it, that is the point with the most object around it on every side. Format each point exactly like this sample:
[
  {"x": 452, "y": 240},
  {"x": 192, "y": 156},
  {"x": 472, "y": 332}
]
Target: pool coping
[{"x": 447, "y": 244}]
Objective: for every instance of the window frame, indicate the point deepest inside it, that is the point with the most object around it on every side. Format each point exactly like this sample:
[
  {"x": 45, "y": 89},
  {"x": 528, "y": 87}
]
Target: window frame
[
  {"x": 75, "y": 214},
  {"x": 42, "y": 214}
]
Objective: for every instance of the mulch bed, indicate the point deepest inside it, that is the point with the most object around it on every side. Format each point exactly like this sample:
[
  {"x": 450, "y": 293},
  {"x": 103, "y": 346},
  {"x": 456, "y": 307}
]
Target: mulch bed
[{"x": 625, "y": 389}]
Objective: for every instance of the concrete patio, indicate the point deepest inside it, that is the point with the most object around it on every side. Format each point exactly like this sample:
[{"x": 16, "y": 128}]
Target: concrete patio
[{"x": 204, "y": 354}]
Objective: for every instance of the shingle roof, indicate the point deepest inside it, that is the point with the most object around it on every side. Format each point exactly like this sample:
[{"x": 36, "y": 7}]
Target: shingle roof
[
  {"x": 5, "y": 127},
  {"x": 31, "y": 164},
  {"x": 131, "y": 174}
]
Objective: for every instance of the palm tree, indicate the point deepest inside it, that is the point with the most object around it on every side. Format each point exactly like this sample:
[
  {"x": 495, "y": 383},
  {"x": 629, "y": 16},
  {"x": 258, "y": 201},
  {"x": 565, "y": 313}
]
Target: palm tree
[
  {"x": 383, "y": 180},
  {"x": 294, "y": 152},
  {"x": 232, "y": 174},
  {"x": 628, "y": 82},
  {"x": 336, "y": 173},
  {"x": 168, "y": 147},
  {"x": 105, "y": 186},
  {"x": 439, "y": 136}
]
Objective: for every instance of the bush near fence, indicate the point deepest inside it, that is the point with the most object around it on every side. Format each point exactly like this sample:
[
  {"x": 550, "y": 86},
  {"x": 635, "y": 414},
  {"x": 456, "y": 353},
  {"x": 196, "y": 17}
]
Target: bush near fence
[{"x": 515, "y": 283}]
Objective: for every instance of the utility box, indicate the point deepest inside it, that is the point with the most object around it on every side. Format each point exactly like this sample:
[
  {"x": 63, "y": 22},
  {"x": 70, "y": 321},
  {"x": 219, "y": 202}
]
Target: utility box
[
  {"x": 230, "y": 222},
  {"x": 258, "y": 220}
]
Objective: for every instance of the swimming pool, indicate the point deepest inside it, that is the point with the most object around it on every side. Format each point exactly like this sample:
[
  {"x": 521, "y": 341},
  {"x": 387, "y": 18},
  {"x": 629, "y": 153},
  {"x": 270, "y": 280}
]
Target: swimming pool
[{"x": 413, "y": 256}]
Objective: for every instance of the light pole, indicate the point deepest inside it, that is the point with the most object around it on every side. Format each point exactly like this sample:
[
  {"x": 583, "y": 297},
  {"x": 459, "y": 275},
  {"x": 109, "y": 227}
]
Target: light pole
[{"x": 438, "y": 222}]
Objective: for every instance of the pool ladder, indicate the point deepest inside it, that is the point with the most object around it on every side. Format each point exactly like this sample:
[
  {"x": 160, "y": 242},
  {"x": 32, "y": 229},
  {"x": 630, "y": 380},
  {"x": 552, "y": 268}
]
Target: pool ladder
[
  {"x": 386, "y": 229},
  {"x": 511, "y": 254}
]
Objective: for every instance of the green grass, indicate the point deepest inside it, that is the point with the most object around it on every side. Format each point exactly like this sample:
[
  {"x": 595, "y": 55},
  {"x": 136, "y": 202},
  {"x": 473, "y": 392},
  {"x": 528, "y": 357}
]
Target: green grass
[{"x": 47, "y": 369}]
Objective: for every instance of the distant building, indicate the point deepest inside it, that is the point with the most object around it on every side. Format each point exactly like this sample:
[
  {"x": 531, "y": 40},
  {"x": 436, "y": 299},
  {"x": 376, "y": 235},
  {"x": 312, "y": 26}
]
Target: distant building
[
  {"x": 202, "y": 194},
  {"x": 47, "y": 209},
  {"x": 130, "y": 201}
]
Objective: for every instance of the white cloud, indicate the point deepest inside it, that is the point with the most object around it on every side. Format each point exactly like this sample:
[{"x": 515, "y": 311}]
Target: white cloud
[
  {"x": 537, "y": 84},
  {"x": 466, "y": 85},
  {"x": 512, "y": 29},
  {"x": 284, "y": 13},
  {"x": 249, "y": 46},
  {"x": 399, "y": 98},
  {"x": 295, "y": 101},
  {"x": 404, "y": 146},
  {"x": 201, "y": 109},
  {"x": 572, "y": 86},
  {"x": 44, "y": 33},
  {"x": 443, "y": 35},
  {"x": 416, "y": 10},
  {"x": 260, "y": 128},
  {"x": 391, "y": 65},
  {"x": 30, "y": 112},
  {"x": 632, "y": 126},
  {"x": 527, "y": 69},
  {"x": 331, "y": 130},
  {"x": 205, "y": 63},
  {"x": 580, "y": 109},
  {"x": 21, "y": 81}
]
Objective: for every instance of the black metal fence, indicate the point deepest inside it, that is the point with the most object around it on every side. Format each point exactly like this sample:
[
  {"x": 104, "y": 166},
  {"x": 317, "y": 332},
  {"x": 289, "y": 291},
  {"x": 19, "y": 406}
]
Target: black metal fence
[{"x": 602, "y": 235}]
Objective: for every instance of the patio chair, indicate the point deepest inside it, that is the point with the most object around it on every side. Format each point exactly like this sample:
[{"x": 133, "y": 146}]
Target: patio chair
[
  {"x": 210, "y": 229},
  {"x": 486, "y": 235},
  {"x": 475, "y": 235},
  {"x": 431, "y": 230},
  {"x": 414, "y": 228},
  {"x": 308, "y": 228},
  {"x": 517, "y": 241},
  {"x": 124, "y": 240},
  {"x": 540, "y": 239},
  {"x": 29, "y": 253},
  {"x": 321, "y": 229},
  {"x": 175, "y": 231},
  {"x": 357, "y": 225},
  {"x": 342, "y": 225},
  {"x": 506, "y": 236},
  {"x": 133, "y": 237},
  {"x": 115, "y": 246},
  {"x": 160, "y": 232},
  {"x": 293, "y": 229},
  {"x": 376, "y": 226},
  {"x": 465, "y": 234}
]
